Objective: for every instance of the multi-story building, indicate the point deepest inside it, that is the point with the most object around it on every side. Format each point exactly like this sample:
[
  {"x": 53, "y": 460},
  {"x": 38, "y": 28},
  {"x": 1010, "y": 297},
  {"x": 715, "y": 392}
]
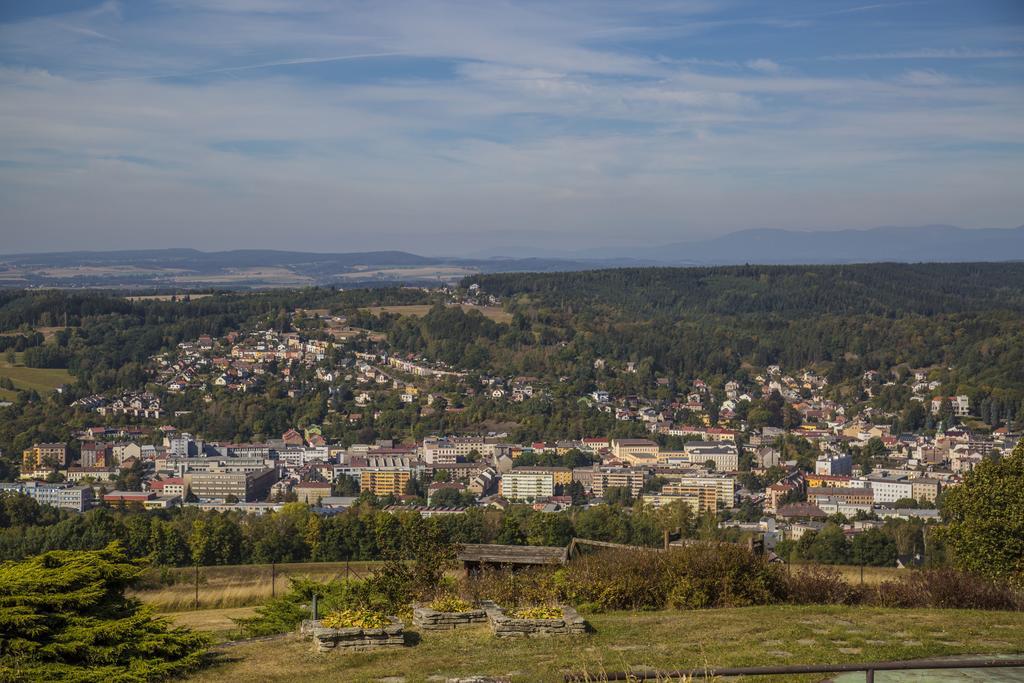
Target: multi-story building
[
  {"x": 384, "y": 482},
  {"x": 700, "y": 499},
  {"x": 562, "y": 476},
  {"x": 449, "y": 450},
  {"x": 45, "y": 455},
  {"x": 598, "y": 480},
  {"x": 78, "y": 498},
  {"x": 725, "y": 456},
  {"x": 96, "y": 454},
  {"x": 526, "y": 485},
  {"x": 223, "y": 481},
  {"x": 635, "y": 451},
  {"x": 725, "y": 487},
  {"x": 961, "y": 405},
  {"x": 889, "y": 489},
  {"x": 826, "y": 481},
  {"x": 854, "y": 496},
  {"x": 312, "y": 492},
  {"x": 834, "y": 464},
  {"x": 925, "y": 489}
]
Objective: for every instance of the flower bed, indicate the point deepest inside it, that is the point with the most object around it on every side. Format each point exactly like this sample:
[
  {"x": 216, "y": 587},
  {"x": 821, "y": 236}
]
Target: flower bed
[
  {"x": 354, "y": 639},
  {"x": 430, "y": 619},
  {"x": 506, "y": 625}
]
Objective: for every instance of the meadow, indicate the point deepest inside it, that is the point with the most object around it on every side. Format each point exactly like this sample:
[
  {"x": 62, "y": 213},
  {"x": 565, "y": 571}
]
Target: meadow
[
  {"x": 43, "y": 380},
  {"x": 495, "y": 313},
  {"x": 174, "y": 590},
  {"x": 781, "y": 634}
]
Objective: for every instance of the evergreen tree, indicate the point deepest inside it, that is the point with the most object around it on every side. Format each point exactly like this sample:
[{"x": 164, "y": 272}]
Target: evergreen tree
[{"x": 64, "y": 616}]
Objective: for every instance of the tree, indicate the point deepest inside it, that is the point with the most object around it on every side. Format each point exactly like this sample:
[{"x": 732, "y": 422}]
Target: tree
[
  {"x": 985, "y": 519},
  {"x": 618, "y": 495},
  {"x": 65, "y": 617}
]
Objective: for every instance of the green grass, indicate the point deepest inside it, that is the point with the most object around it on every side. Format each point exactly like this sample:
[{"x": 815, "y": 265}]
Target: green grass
[
  {"x": 42, "y": 380},
  {"x": 671, "y": 639}
]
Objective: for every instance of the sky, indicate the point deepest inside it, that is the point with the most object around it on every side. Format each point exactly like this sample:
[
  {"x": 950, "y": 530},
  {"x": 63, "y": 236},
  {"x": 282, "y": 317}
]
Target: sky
[{"x": 469, "y": 128}]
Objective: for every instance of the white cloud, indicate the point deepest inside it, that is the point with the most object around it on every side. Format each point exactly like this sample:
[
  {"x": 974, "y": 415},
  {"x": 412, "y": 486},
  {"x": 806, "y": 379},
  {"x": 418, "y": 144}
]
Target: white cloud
[{"x": 764, "y": 65}]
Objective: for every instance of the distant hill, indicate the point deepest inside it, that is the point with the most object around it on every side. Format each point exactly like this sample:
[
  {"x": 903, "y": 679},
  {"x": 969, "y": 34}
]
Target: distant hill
[
  {"x": 930, "y": 243},
  {"x": 258, "y": 268}
]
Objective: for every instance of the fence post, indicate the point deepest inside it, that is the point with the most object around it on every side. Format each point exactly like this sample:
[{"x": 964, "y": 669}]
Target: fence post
[
  {"x": 862, "y": 573},
  {"x": 273, "y": 579},
  {"x": 197, "y": 585},
  {"x": 869, "y": 676},
  {"x": 314, "y": 609}
]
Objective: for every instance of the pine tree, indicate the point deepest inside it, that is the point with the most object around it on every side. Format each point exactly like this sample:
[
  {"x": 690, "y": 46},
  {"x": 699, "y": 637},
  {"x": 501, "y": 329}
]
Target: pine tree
[{"x": 64, "y": 616}]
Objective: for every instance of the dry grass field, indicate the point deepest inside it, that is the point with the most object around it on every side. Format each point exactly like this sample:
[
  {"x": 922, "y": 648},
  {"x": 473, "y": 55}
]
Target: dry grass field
[
  {"x": 495, "y": 313},
  {"x": 668, "y": 640},
  {"x": 240, "y": 586},
  {"x": 872, "y": 575}
]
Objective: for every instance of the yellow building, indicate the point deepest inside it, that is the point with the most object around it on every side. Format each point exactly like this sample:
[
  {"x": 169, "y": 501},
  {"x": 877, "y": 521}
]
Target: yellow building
[
  {"x": 386, "y": 483},
  {"x": 45, "y": 455},
  {"x": 635, "y": 451},
  {"x": 828, "y": 481}
]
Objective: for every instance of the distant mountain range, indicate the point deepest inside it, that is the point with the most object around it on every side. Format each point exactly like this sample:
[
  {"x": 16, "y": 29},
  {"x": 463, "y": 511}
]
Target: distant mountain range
[
  {"x": 249, "y": 268},
  {"x": 928, "y": 243}
]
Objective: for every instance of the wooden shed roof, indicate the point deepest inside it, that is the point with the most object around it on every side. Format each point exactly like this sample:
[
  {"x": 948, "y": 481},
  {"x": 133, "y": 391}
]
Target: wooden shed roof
[{"x": 512, "y": 554}]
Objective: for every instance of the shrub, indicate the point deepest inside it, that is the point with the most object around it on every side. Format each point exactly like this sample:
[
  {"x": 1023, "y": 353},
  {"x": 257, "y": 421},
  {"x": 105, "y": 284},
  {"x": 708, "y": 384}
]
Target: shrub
[
  {"x": 64, "y": 616},
  {"x": 285, "y": 613},
  {"x": 814, "y": 584},
  {"x": 948, "y": 589},
  {"x": 695, "y": 576},
  {"x": 450, "y": 603},
  {"x": 355, "y": 618}
]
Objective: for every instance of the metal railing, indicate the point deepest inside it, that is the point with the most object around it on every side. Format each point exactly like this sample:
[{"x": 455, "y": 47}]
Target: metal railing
[{"x": 869, "y": 669}]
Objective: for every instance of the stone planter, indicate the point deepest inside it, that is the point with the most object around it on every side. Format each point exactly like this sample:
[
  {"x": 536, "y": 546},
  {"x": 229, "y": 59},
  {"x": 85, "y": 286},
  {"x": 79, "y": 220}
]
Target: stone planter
[
  {"x": 429, "y": 619},
  {"x": 353, "y": 639},
  {"x": 505, "y": 626}
]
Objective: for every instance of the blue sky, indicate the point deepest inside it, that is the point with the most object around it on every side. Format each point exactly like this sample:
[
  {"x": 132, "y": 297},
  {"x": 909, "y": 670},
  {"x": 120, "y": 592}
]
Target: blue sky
[{"x": 464, "y": 127}]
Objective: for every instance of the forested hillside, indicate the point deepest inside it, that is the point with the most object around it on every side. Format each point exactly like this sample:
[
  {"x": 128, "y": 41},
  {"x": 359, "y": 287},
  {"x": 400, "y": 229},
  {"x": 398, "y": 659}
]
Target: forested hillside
[{"x": 887, "y": 289}]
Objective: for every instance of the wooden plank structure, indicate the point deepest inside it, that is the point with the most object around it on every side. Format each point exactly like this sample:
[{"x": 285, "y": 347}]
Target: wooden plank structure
[{"x": 478, "y": 556}]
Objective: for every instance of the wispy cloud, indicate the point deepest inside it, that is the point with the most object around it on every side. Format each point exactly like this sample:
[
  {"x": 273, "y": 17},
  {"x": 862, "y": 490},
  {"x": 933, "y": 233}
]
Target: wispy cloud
[
  {"x": 928, "y": 53},
  {"x": 211, "y": 121}
]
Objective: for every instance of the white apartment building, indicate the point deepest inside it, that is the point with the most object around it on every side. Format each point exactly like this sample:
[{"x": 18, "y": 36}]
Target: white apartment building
[{"x": 527, "y": 485}]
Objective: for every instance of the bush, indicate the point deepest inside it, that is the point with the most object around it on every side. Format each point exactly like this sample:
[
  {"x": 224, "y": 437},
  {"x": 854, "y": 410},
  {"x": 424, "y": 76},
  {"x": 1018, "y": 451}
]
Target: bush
[
  {"x": 355, "y": 618},
  {"x": 285, "y": 613},
  {"x": 695, "y": 576},
  {"x": 512, "y": 589},
  {"x": 814, "y": 584},
  {"x": 947, "y": 589}
]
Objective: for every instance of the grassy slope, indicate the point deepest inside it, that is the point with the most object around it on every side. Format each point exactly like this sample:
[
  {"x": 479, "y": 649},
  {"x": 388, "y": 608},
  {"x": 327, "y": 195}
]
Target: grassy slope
[
  {"x": 40, "y": 379},
  {"x": 495, "y": 313},
  {"x": 724, "y": 637}
]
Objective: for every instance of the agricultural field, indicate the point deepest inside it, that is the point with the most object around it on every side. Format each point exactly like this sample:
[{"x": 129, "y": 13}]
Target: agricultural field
[
  {"x": 667, "y": 640},
  {"x": 42, "y": 380},
  {"x": 237, "y": 586},
  {"x": 167, "y": 297},
  {"x": 495, "y": 313}
]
